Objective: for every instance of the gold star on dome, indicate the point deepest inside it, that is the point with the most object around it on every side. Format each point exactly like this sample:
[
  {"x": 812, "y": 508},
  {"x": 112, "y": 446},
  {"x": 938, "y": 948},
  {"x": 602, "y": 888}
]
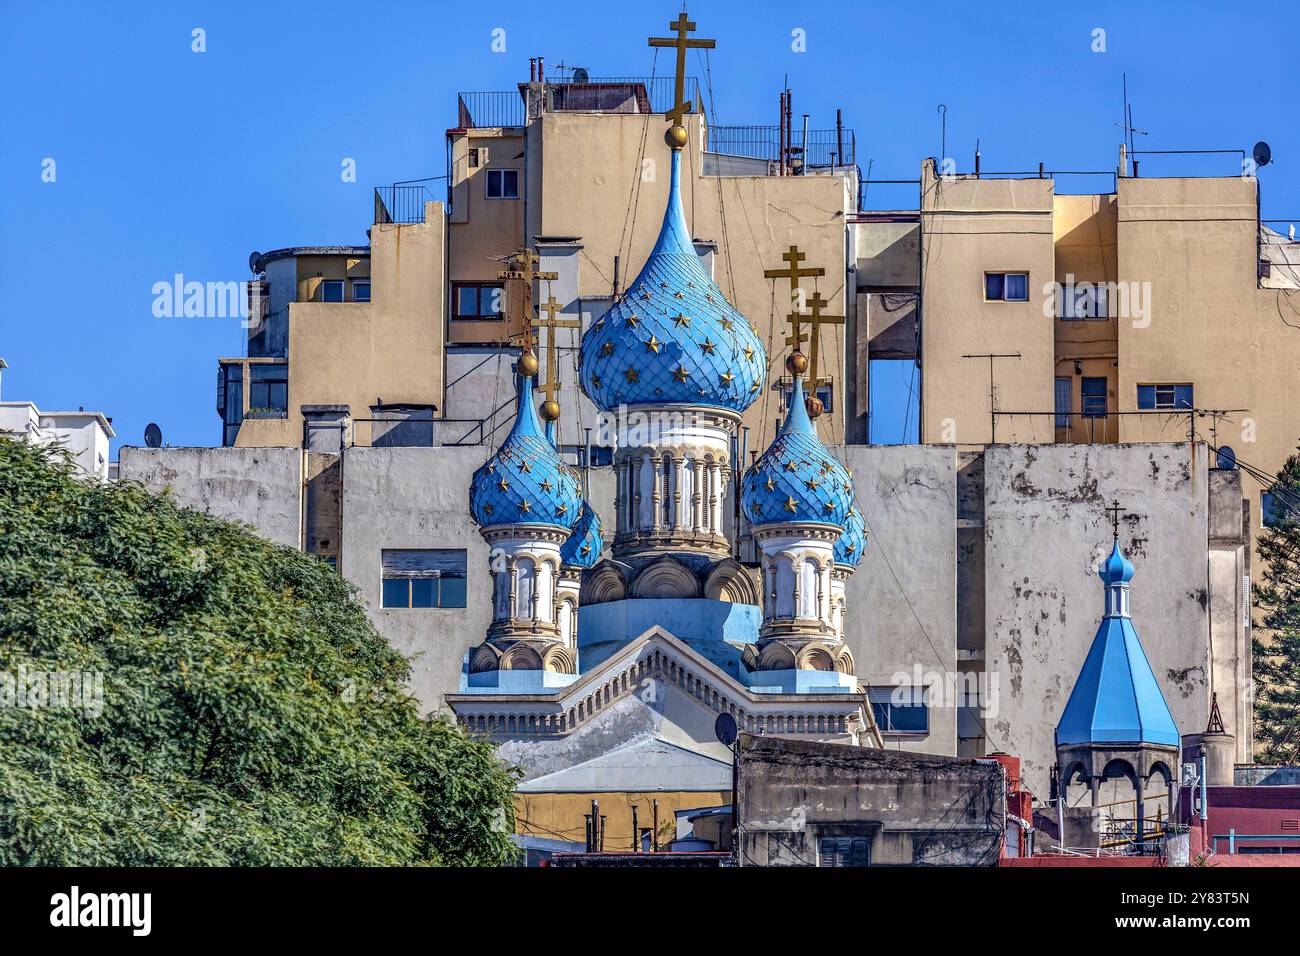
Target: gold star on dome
[
  {"x": 600, "y": 323},
  {"x": 830, "y": 506},
  {"x": 487, "y": 509},
  {"x": 663, "y": 285},
  {"x": 607, "y": 348},
  {"x": 790, "y": 503},
  {"x": 790, "y": 465},
  {"x": 546, "y": 485},
  {"x": 586, "y": 550},
  {"x": 727, "y": 377},
  {"x": 755, "y": 387},
  {"x": 562, "y": 510},
  {"x": 632, "y": 375},
  {"x": 492, "y": 468},
  {"x": 755, "y": 508},
  {"x": 811, "y": 484},
  {"x": 503, "y": 484},
  {"x": 708, "y": 346},
  {"x": 633, "y": 319},
  {"x": 652, "y": 345},
  {"x": 771, "y": 483},
  {"x": 681, "y": 319},
  {"x": 690, "y": 285},
  {"x": 708, "y": 296},
  {"x": 525, "y": 506},
  {"x": 646, "y": 294},
  {"x": 680, "y": 373},
  {"x": 850, "y": 548},
  {"x": 749, "y": 353},
  {"x": 727, "y": 324},
  {"x": 595, "y": 380},
  {"x": 679, "y": 294}
]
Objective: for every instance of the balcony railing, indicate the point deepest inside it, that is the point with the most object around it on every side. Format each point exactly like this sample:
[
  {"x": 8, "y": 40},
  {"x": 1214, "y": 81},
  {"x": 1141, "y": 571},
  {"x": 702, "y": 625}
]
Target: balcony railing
[
  {"x": 826, "y": 147},
  {"x": 598, "y": 94},
  {"x": 400, "y": 205}
]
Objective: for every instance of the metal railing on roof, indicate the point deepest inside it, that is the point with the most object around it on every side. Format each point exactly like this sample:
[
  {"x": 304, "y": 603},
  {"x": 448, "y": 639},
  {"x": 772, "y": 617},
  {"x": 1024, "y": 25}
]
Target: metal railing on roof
[
  {"x": 400, "y": 205},
  {"x": 604, "y": 94},
  {"x": 825, "y": 146}
]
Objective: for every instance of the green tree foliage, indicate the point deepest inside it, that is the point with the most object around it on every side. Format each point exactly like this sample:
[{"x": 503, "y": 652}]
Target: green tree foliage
[
  {"x": 1277, "y": 651},
  {"x": 250, "y": 713}
]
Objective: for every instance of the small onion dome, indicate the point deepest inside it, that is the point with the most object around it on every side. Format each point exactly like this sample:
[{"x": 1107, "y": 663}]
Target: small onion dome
[
  {"x": 796, "y": 479},
  {"x": 853, "y": 541},
  {"x": 673, "y": 339},
  {"x": 582, "y": 550},
  {"x": 1116, "y": 569},
  {"x": 526, "y": 482}
]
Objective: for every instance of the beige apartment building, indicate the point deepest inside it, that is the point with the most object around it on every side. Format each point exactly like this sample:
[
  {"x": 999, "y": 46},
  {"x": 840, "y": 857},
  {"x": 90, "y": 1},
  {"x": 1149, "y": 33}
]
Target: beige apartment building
[{"x": 1161, "y": 309}]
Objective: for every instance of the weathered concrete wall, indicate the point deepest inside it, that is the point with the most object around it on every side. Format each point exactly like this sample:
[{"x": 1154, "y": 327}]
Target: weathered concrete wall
[
  {"x": 914, "y": 808},
  {"x": 1045, "y": 534},
  {"x": 417, "y": 498},
  {"x": 261, "y": 487},
  {"x": 901, "y": 621}
]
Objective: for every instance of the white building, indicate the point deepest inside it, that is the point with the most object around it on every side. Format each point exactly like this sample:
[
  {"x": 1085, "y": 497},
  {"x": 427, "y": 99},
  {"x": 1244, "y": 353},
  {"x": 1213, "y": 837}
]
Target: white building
[{"x": 84, "y": 434}]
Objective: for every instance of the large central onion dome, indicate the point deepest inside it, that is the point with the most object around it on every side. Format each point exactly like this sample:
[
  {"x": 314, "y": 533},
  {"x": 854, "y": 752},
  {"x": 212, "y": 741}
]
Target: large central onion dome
[
  {"x": 525, "y": 482},
  {"x": 797, "y": 479},
  {"x": 673, "y": 339}
]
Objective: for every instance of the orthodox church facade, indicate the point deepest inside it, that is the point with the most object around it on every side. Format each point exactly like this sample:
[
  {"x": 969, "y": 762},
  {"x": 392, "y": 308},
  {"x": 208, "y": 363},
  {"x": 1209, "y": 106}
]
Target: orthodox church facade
[{"x": 599, "y": 663}]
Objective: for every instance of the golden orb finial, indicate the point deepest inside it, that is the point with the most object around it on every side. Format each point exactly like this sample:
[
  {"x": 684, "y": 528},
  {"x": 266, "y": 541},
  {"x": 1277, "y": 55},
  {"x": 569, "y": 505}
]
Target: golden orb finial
[
  {"x": 528, "y": 364},
  {"x": 797, "y": 363},
  {"x": 675, "y": 136},
  {"x": 814, "y": 406},
  {"x": 550, "y": 410}
]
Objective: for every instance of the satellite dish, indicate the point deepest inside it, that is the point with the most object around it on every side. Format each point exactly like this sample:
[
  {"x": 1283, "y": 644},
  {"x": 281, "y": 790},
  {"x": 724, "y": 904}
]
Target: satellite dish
[
  {"x": 1227, "y": 459},
  {"x": 1263, "y": 155},
  {"x": 724, "y": 728},
  {"x": 252, "y": 261},
  {"x": 580, "y": 75},
  {"x": 152, "y": 436}
]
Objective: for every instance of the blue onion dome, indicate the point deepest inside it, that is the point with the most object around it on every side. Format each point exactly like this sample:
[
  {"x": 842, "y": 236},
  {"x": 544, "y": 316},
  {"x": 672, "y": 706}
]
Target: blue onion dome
[
  {"x": 673, "y": 338},
  {"x": 582, "y": 549},
  {"x": 1116, "y": 569},
  {"x": 852, "y": 541},
  {"x": 796, "y": 479},
  {"x": 526, "y": 482}
]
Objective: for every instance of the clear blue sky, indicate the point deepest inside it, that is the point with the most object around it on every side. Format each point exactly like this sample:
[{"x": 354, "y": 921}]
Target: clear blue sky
[{"x": 173, "y": 161}]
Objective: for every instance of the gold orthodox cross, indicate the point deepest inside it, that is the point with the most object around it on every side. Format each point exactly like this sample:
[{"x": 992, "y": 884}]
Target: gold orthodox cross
[
  {"x": 683, "y": 26},
  {"x": 521, "y": 270},
  {"x": 551, "y": 388},
  {"x": 817, "y": 319},
  {"x": 794, "y": 273}
]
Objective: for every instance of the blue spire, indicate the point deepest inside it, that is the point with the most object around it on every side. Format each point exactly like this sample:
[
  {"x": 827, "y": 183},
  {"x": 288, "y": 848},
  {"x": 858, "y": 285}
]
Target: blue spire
[
  {"x": 797, "y": 479},
  {"x": 673, "y": 338},
  {"x": 525, "y": 481},
  {"x": 1116, "y": 698}
]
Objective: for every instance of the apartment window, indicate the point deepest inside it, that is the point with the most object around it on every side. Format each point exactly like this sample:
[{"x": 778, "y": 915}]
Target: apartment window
[
  {"x": 477, "y": 301},
  {"x": 843, "y": 851},
  {"x": 361, "y": 290},
  {"x": 473, "y": 157},
  {"x": 1006, "y": 286},
  {"x": 425, "y": 578},
  {"x": 1265, "y": 269},
  {"x": 1273, "y": 512},
  {"x": 503, "y": 184},
  {"x": 900, "y": 710},
  {"x": 331, "y": 290},
  {"x": 1081, "y": 302},
  {"x": 1092, "y": 392},
  {"x": 1164, "y": 396},
  {"x": 824, "y": 392},
  {"x": 1064, "y": 397}
]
